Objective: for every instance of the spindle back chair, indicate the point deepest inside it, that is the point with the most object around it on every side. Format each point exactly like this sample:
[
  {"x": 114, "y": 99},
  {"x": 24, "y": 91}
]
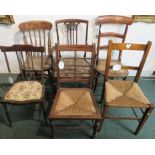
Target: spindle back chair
[{"x": 38, "y": 33}]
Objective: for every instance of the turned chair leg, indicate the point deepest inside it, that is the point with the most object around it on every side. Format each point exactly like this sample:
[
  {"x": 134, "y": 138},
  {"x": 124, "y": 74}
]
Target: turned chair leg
[
  {"x": 52, "y": 128},
  {"x": 7, "y": 114},
  {"x": 94, "y": 129},
  {"x": 104, "y": 114},
  {"x": 143, "y": 120}
]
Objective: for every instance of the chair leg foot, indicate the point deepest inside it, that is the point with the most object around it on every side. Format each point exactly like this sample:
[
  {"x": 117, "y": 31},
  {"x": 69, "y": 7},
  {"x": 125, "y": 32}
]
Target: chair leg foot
[
  {"x": 52, "y": 128},
  {"x": 143, "y": 120},
  {"x": 94, "y": 129},
  {"x": 7, "y": 115}
]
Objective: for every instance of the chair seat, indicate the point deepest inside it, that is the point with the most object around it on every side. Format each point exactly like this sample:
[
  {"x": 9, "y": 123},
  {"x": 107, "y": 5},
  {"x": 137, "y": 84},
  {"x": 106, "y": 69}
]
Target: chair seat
[
  {"x": 36, "y": 63},
  {"x": 24, "y": 91},
  {"x": 75, "y": 103},
  {"x": 125, "y": 94},
  {"x": 101, "y": 69},
  {"x": 68, "y": 71}
]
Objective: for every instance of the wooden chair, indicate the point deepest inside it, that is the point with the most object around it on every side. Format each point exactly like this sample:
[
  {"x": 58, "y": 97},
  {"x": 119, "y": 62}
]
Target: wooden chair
[
  {"x": 102, "y": 21},
  {"x": 126, "y": 94},
  {"x": 24, "y": 92},
  {"x": 72, "y": 32},
  {"x": 37, "y": 33},
  {"x": 75, "y": 103}
]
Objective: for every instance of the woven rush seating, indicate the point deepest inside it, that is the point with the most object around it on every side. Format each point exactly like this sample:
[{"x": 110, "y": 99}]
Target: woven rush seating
[
  {"x": 24, "y": 91},
  {"x": 68, "y": 70},
  {"x": 74, "y": 102},
  {"x": 125, "y": 93},
  {"x": 102, "y": 65},
  {"x": 36, "y": 63}
]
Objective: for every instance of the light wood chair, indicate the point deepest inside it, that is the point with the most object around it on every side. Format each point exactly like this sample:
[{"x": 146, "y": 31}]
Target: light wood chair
[
  {"x": 38, "y": 33},
  {"x": 126, "y": 94},
  {"x": 24, "y": 92},
  {"x": 75, "y": 103},
  {"x": 104, "y": 21}
]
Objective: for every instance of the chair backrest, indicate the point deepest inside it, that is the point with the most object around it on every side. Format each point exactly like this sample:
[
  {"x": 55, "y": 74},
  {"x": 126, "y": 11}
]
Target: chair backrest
[
  {"x": 78, "y": 69},
  {"x": 37, "y": 33},
  {"x": 112, "y": 19},
  {"x": 145, "y": 48},
  {"x": 25, "y": 56},
  {"x": 69, "y": 30}
]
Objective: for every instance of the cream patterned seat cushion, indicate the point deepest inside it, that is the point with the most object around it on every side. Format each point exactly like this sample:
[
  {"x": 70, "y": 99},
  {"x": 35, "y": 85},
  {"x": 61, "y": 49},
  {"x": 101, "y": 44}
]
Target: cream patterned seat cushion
[
  {"x": 125, "y": 94},
  {"x": 101, "y": 66},
  {"x": 24, "y": 91},
  {"x": 74, "y": 102}
]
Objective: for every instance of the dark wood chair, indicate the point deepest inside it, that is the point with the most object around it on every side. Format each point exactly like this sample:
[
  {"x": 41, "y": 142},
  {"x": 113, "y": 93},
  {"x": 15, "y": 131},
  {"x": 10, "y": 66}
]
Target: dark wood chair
[
  {"x": 72, "y": 32},
  {"x": 75, "y": 103},
  {"x": 37, "y": 33},
  {"x": 102, "y": 21},
  {"x": 29, "y": 91},
  {"x": 126, "y": 94}
]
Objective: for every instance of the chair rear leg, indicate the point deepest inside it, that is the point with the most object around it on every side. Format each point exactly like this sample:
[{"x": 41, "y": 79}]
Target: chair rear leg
[
  {"x": 50, "y": 76},
  {"x": 104, "y": 114},
  {"x": 143, "y": 120},
  {"x": 7, "y": 114},
  {"x": 44, "y": 113},
  {"x": 52, "y": 128},
  {"x": 96, "y": 81},
  {"x": 94, "y": 129}
]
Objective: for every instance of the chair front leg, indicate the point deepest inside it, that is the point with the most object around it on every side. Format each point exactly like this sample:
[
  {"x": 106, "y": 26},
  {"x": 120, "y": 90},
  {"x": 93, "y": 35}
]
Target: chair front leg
[
  {"x": 104, "y": 114},
  {"x": 144, "y": 118},
  {"x": 94, "y": 129},
  {"x": 7, "y": 114}
]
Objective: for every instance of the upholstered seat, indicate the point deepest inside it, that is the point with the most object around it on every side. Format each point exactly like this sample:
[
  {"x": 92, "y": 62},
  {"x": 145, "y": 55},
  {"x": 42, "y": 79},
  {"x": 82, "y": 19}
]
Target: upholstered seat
[
  {"x": 101, "y": 66},
  {"x": 24, "y": 91},
  {"x": 125, "y": 94},
  {"x": 36, "y": 65},
  {"x": 74, "y": 102}
]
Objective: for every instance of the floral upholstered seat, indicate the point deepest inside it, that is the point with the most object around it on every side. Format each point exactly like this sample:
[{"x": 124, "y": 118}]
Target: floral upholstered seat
[
  {"x": 24, "y": 91},
  {"x": 125, "y": 93}
]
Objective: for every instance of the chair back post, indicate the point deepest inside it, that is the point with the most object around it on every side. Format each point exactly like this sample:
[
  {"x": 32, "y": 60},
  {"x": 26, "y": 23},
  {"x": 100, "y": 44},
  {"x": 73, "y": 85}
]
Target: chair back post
[
  {"x": 57, "y": 67},
  {"x": 146, "y": 52},
  {"x": 92, "y": 65},
  {"x": 112, "y": 19}
]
